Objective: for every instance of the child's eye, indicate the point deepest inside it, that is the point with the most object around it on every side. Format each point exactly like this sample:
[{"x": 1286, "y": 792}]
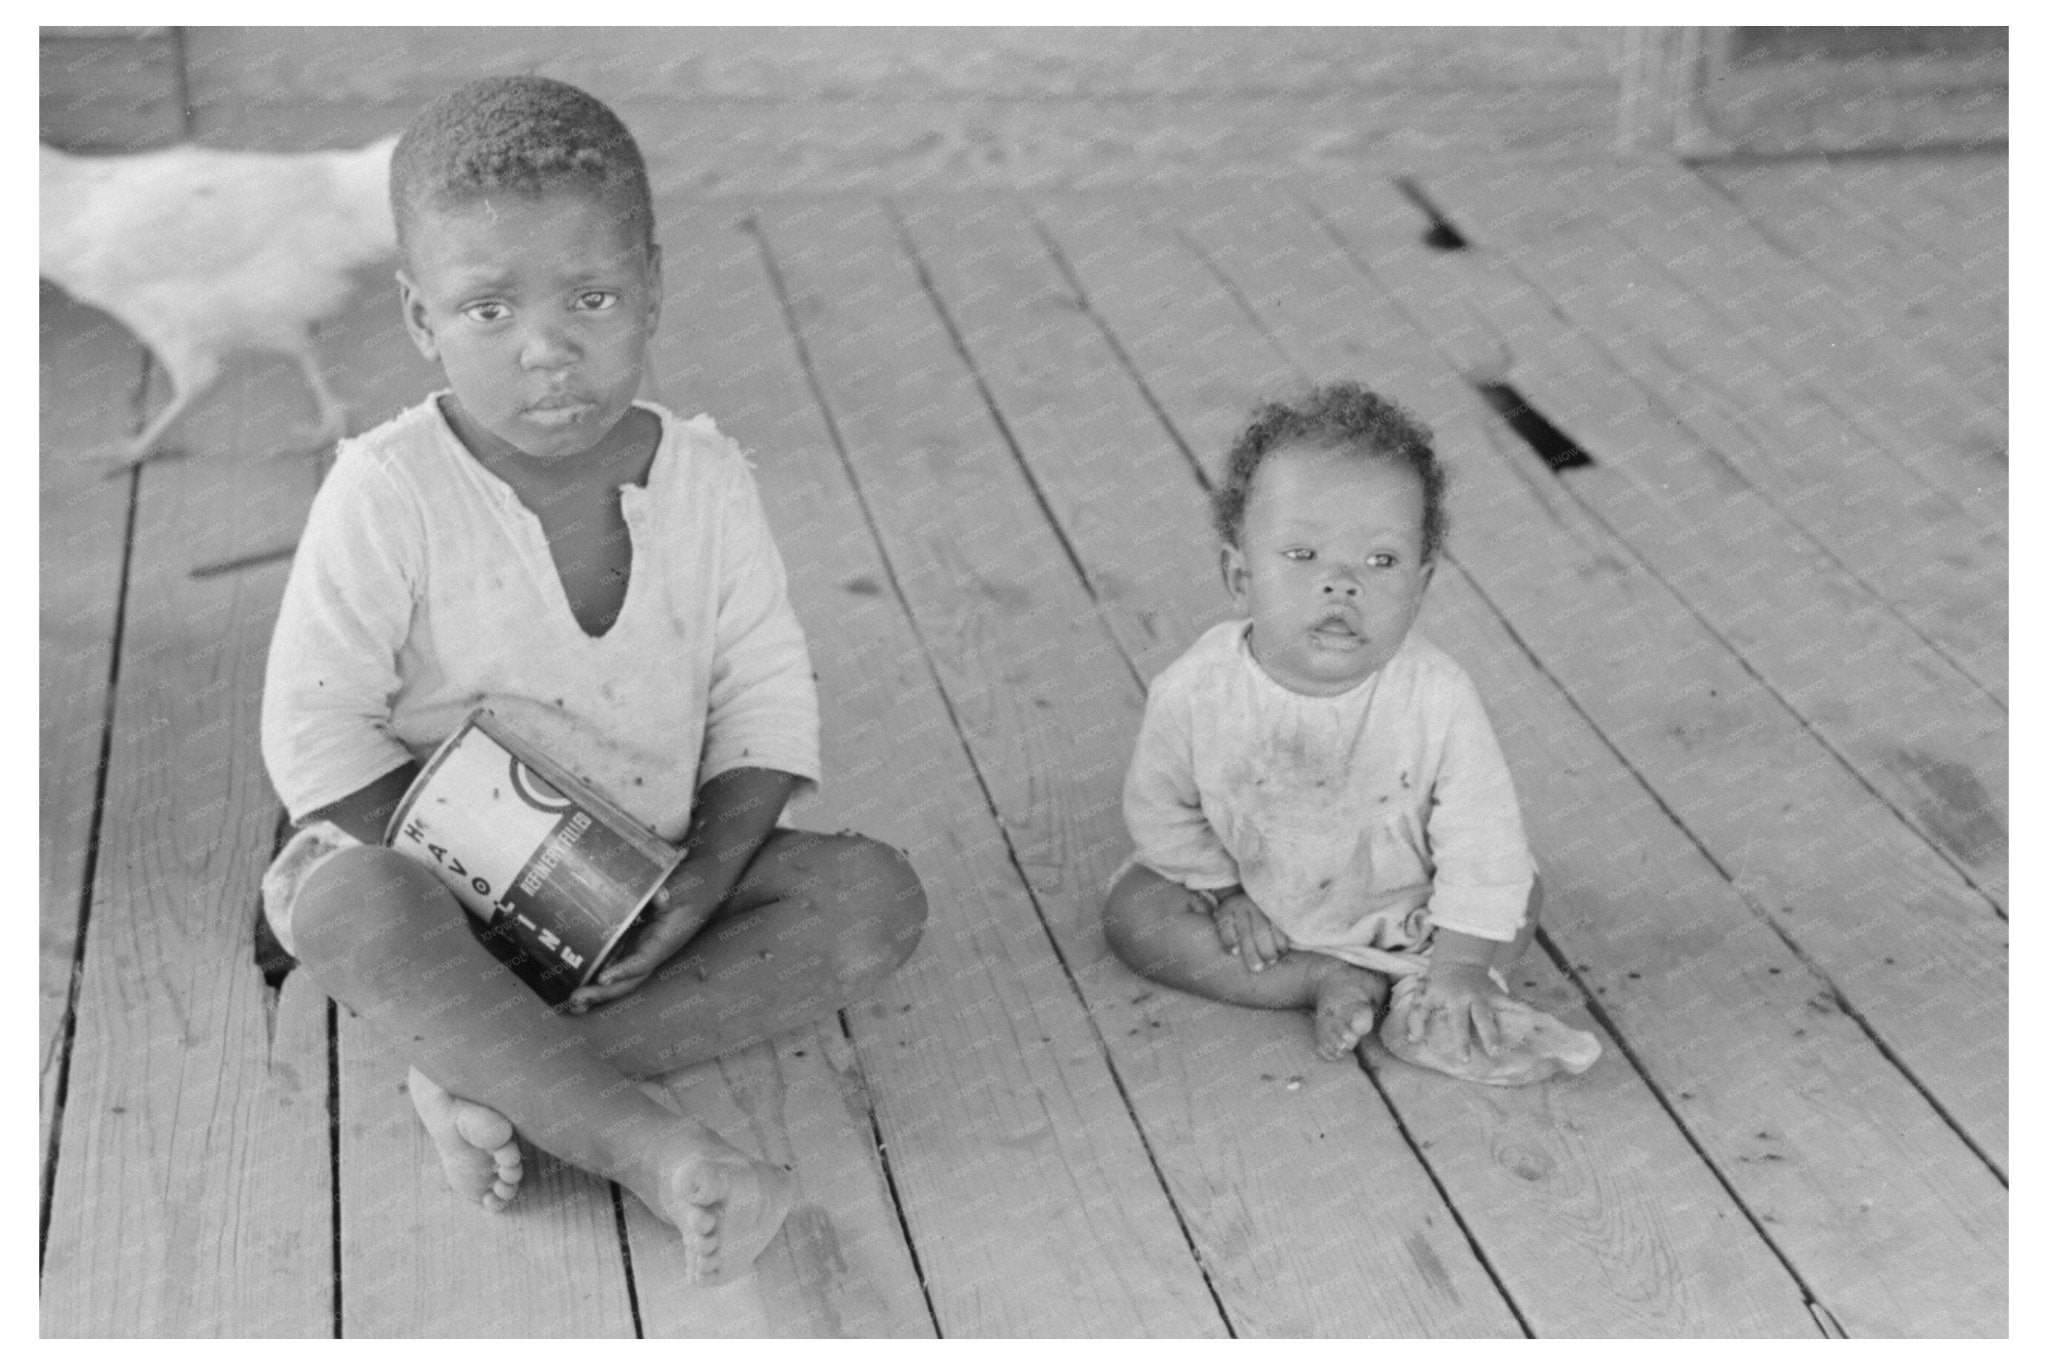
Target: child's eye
[
  {"x": 594, "y": 300},
  {"x": 487, "y": 312},
  {"x": 1300, "y": 554},
  {"x": 1382, "y": 560}
]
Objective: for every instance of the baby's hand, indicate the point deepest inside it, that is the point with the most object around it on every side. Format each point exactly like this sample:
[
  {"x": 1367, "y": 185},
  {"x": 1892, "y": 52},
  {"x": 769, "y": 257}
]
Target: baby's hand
[
  {"x": 1247, "y": 934},
  {"x": 1459, "y": 997}
]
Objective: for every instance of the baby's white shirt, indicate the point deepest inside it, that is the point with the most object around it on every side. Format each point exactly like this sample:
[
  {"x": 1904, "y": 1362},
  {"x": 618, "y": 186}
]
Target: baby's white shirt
[
  {"x": 423, "y": 587},
  {"x": 1358, "y": 823}
]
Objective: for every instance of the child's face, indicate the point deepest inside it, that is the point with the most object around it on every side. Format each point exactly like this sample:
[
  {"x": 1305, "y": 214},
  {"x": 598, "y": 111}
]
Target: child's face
[
  {"x": 539, "y": 311},
  {"x": 1329, "y": 566}
]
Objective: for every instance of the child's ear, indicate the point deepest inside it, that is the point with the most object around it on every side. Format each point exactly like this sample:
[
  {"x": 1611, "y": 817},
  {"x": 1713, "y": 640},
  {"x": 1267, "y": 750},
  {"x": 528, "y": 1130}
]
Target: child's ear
[
  {"x": 653, "y": 286},
  {"x": 417, "y": 326},
  {"x": 1234, "y": 573}
]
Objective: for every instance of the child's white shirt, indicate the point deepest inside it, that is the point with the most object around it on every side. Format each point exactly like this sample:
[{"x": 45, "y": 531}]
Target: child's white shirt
[
  {"x": 423, "y": 587},
  {"x": 1358, "y": 823}
]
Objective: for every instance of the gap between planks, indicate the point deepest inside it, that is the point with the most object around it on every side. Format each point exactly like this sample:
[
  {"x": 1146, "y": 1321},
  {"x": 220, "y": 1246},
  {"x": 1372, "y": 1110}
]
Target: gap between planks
[{"x": 82, "y": 596}]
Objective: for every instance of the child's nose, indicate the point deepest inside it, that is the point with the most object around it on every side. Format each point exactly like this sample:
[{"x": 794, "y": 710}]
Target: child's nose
[
  {"x": 547, "y": 348},
  {"x": 1343, "y": 584}
]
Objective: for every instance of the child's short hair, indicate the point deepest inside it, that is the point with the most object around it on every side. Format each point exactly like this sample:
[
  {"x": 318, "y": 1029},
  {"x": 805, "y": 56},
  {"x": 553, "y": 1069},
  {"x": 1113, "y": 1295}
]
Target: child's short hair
[
  {"x": 1328, "y": 416},
  {"x": 525, "y": 134}
]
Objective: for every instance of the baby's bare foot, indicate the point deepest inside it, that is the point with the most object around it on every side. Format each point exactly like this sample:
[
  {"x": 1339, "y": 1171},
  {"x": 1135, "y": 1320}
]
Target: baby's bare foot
[
  {"x": 478, "y": 1148},
  {"x": 1347, "y": 1001},
  {"x": 727, "y": 1206}
]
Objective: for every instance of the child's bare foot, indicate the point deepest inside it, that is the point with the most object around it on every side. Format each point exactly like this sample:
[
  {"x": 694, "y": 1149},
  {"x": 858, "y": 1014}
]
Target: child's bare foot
[
  {"x": 1533, "y": 1046},
  {"x": 727, "y": 1206},
  {"x": 1348, "y": 999},
  {"x": 478, "y": 1148}
]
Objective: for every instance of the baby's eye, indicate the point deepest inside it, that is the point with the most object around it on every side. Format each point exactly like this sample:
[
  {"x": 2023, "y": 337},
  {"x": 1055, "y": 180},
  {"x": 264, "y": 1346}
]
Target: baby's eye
[
  {"x": 595, "y": 300},
  {"x": 1300, "y": 554},
  {"x": 1382, "y": 560},
  {"x": 487, "y": 312}
]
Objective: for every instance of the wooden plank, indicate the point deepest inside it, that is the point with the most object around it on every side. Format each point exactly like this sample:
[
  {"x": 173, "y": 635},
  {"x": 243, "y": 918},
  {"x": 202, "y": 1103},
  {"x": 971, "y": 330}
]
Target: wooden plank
[
  {"x": 1896, "y": 929},
  {"x": 1028, "y": 64},
  {"x": 737, "y": 114},
  {"x": 1843, "y": 221},
  {"x": 1971, "y": 224},
  {"x": 1910, "y": 725},
  {"x": 1024, "y": 1184},
  {"x": 1672, "y": 230},
  {"x": 1617, "y": 1226},
  {"x": 418, "y": 1260},
  {"x": 1714, "y": 1004},
  {"x": 90, "y": 370},
  {"x": 741, "y": 152},
  {"x": 1917, "y": 398},
  {"x": 1078, "y": 424},
  {"x": 1890, "y": 1222},
  {"x": 191, "y": 1194},
  {"x": 1128, "y": 501},
  {"x": 1913, "y": 545},
  {"x": 1954, "y": 209},
  {"x": 1368, "y": 1256},
  {"x": 840, "y": 1268}
]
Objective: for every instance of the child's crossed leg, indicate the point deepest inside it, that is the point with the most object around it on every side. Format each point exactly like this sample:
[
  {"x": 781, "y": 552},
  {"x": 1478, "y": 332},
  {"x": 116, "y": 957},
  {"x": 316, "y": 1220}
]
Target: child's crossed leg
[{"x": 815, "y": 921}]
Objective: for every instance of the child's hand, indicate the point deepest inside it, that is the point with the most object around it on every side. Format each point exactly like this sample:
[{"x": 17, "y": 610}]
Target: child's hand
[
  {"x": 1458, "y": 997},
  {"x": 673, "y": 919},
  {"x": 1247, "y": 934}
]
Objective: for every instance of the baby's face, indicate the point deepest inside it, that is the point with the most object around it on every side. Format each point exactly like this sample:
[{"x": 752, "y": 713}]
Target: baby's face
[
  {"x": 539, "y": 311},
  {"x": 1330, "y": 566}
]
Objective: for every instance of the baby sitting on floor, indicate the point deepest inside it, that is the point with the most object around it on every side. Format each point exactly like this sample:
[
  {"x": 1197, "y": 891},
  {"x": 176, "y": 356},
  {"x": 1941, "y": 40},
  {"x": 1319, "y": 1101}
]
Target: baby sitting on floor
[{"x": 1322, "y": 815}]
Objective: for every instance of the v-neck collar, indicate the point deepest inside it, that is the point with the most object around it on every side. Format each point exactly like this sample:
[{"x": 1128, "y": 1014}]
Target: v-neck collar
[{"x": 541, "y": 557}]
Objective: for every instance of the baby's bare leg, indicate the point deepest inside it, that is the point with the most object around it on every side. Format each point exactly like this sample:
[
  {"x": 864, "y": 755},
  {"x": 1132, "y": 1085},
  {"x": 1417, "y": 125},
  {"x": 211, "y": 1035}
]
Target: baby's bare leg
[{"x": 1152, "y": 927}]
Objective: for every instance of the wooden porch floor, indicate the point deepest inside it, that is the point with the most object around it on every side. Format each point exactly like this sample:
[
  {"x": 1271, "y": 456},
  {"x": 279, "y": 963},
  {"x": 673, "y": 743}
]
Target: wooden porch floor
[{"x": 1748, "y": 662}]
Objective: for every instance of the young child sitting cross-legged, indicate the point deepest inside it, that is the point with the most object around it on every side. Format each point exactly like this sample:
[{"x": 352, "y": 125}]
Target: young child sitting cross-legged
[
  {"x": 1322, "y": 815},
  {"x": 601, "y": 576}
]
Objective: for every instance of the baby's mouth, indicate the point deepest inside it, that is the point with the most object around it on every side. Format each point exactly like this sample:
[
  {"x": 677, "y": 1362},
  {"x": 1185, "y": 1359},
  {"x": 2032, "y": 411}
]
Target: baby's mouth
[{"x": 1335, "y": 631}]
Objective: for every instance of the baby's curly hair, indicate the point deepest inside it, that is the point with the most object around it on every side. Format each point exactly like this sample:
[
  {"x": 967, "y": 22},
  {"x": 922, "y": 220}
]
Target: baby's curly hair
[
  {"x": 524, "y": 134},
  {"x": 1343, "y": 414}
]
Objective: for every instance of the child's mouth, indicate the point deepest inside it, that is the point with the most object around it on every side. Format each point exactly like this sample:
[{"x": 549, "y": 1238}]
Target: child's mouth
[{"x": 559, "y": 412}]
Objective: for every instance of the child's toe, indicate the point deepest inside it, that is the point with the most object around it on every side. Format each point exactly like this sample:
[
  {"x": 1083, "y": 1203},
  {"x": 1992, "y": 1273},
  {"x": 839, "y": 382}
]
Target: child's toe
[
  {"x": 485, "y": 1129},
  {"x": 705, "y": 1184}
]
